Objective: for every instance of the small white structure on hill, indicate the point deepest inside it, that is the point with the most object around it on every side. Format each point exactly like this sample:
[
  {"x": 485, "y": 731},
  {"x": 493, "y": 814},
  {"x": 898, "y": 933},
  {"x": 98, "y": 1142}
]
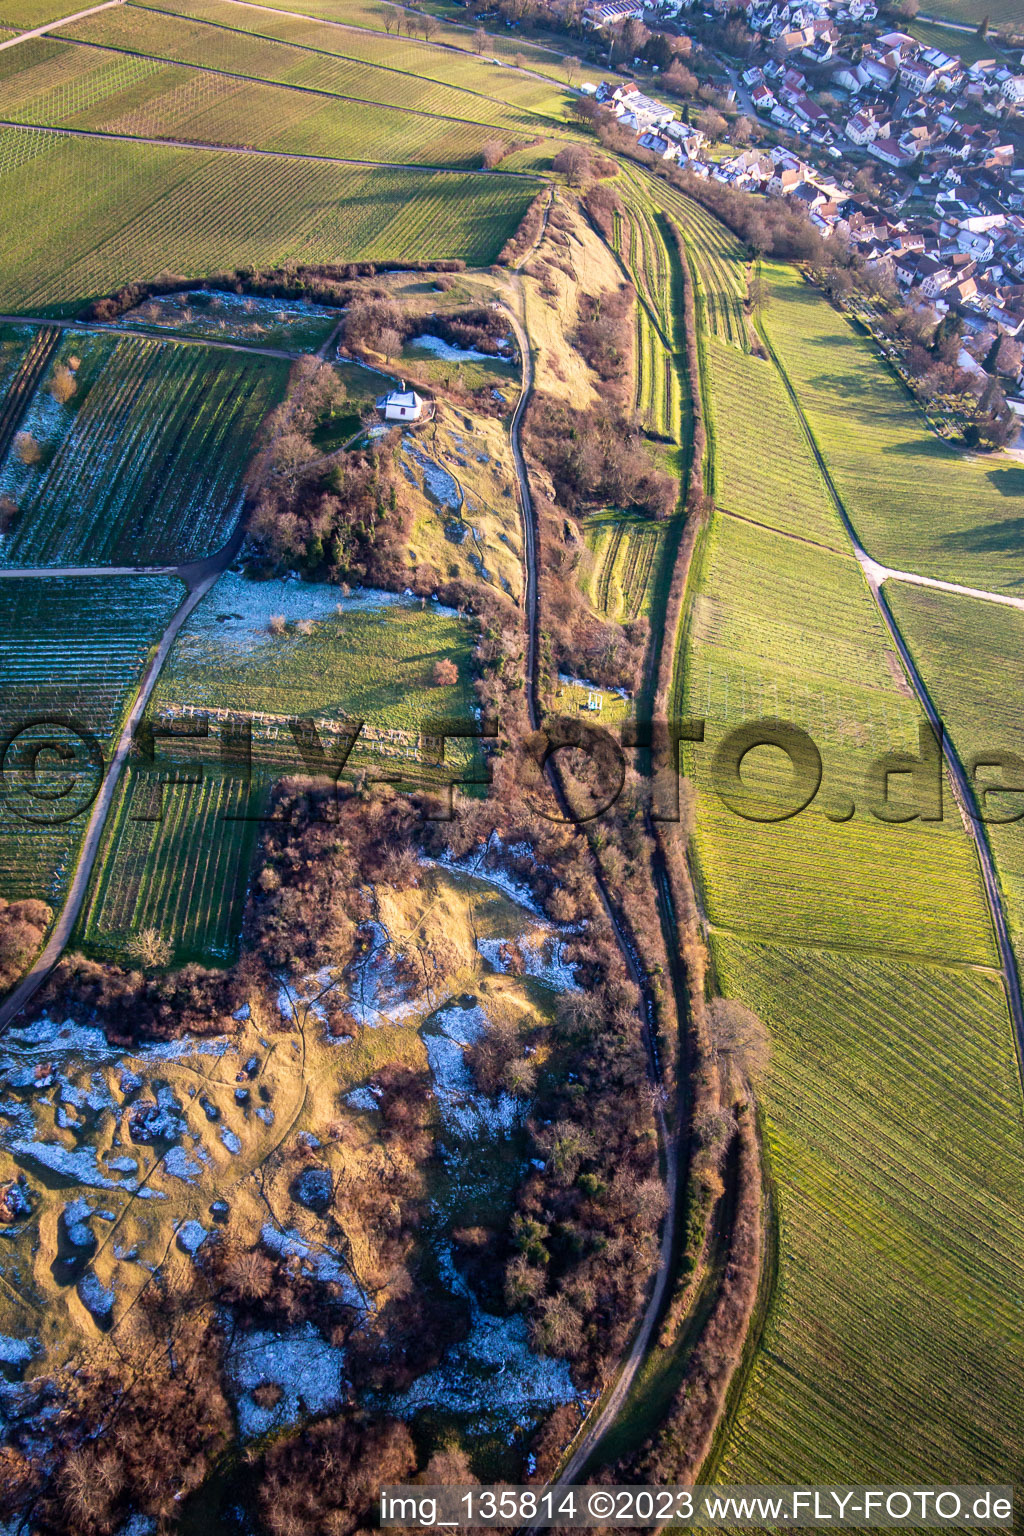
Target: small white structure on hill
[{"x": 401, "y": 404}]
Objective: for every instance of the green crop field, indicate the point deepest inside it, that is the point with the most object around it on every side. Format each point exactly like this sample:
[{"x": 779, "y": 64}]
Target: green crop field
[
  {"x": 106, "y": 91},
  {"x": 917, "y": 503},
  {"x": 969, "y": 654},
  {"x": 21, "y": 15},
  {"x": 892, "y": 1106},
  {"x": 374, "y": 661},
  {"x": 176, "y": 858},
  {"x": 272, "y": 47},
  {"x": 71, "y": 650},
  {"x": 783, "y": 487},
  {"x": 143, "y": 465},
  {"x": 892, "y": 1113},
  {"x": 787, "y": 630},
  {"x": 451, "y": 56},
  {"x": 131, "y": 211}
]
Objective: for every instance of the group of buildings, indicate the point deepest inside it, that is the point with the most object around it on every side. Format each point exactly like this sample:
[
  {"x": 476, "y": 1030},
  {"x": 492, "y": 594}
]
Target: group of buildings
[{"x": 942, "y": 212}]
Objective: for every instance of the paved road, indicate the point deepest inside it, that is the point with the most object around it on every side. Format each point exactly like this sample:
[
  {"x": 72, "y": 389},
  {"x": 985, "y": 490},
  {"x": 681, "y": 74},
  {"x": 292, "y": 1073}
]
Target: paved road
[
  {"x": 62, "y": 929},
  {"x": 272, "y": 154},
  {"x": 610, "y": 1406},
  {"x": 877, "y": 574},
  {"x": 62, "y": 21}
]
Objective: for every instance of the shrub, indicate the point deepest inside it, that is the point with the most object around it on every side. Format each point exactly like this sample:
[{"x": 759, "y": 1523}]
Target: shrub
[
  {"x": 27, "y": 449},
  {"x": 63, "y": 384},
  {"x": 446, "y": 673}
]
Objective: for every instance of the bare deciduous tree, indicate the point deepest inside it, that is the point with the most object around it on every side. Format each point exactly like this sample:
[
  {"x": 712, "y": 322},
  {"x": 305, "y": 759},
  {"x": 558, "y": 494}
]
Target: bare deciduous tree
[
  {"x": 63, "y": 384},
  {"x": 739, "y": 1036},
  {"x": 390, "y": 341},
  {"x": 27, "y": 449},
  {"x": 148, "y": 948}
]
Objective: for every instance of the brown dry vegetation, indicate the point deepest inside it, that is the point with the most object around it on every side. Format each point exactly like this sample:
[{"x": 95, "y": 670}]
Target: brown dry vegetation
[{"x": 22, "y": 926}]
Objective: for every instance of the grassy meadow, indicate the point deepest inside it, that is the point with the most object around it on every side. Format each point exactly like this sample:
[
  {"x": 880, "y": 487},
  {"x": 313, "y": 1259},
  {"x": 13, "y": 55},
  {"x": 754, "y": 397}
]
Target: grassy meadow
[
  {"x": 916, "y": 503},
  {"x": 374, "y": 661}
]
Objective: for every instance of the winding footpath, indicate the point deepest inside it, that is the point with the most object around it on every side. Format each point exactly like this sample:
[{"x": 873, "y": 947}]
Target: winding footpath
[{"x": 610, "y": 1404}]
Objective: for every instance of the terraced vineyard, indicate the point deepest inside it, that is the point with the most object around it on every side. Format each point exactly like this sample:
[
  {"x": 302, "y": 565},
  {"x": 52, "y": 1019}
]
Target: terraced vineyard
[
  {"x": 641, "y": 243},
  {"x": 176, "y": 858},
  {"x": 136, "y": 210},
  {"x": 717, "y": 261},
  {"x": 70, "y": 650},
  {"x": 627, "y": 555},
  {"x": 143, "y": 465}
]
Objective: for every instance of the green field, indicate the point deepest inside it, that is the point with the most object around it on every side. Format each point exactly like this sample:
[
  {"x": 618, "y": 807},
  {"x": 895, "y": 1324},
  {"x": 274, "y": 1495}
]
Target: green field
[
  {"x": 311, "y": 54},
  {"x": 451, "y": 57},
  {"x": 892, "y": 1112},
  {"x": 783, "y": 488},
  {"x": 916, "y": 503},
  {"x": 969, "y": 656},
  {"x": 787, "y": 630},
  {"x": 92, "y": 88},
  {"x": 372, "y": 662},
  {"x": 143, "y": 465},
  {"x": 132, "y": 211},
  {"x": 71, "y": 650},
  {"x": 21, "y": 15},
  {"x": 175, "y": 858}
]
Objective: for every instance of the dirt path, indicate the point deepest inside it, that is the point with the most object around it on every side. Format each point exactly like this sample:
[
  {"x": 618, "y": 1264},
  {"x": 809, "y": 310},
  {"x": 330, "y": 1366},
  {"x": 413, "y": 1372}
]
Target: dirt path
[
  {"x": 271, "y": 154},
  {"x": 62, "y": 21},
  {"x": 610, "y": 1405},
  {"x": 875, "y": 575},
  {"x": 149, "y": 333},
  {"x": 62, "y": 928}
]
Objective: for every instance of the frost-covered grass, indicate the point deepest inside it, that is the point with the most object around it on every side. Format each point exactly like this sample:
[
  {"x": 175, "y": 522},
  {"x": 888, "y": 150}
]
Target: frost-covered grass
[
  {"x": 143, "y": 465},
  {"x": 308, "y": 1372},
  {"x": 241, "y": 318},
  {"x": 372, "y": 661}
]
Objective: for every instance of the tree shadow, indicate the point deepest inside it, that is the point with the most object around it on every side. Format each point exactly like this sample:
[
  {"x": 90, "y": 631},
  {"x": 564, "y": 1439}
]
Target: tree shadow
[
  {"x": 929, "y": 447},
  {"x": 1008, "y": 481},
  {"x": 990, "y": 538}
]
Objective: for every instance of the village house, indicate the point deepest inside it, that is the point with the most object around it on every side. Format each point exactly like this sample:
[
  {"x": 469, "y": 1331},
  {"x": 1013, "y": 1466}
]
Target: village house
[{"x": 401, "y": 404}]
